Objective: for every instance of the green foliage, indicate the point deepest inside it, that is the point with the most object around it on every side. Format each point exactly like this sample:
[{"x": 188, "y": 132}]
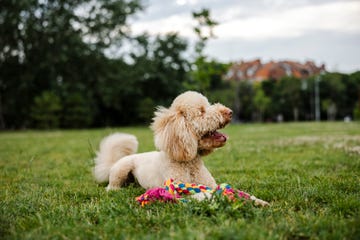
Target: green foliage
[
  {"x": 330, "y": 107},
  {"x": 77, "y": 111},
  {"x": 203, "y": 29},
  {"x": 288, "y": 96},
  {"x": 261, "y": 101},
  {"x": 45, "y": 111},
  {"x": 357, "y": 112},
  {"x": 146, "y": 109},
  {"x": 293, "y": 98},
  {"x": 243, "y": 109},
  {"x": 54, "y": 43},
  {"x": 59, "y": 47},
  {"x": 224, "y": 96},
  {"x": 307, "y": 171},
  {"x": 207, "y": 76},
  {"x": 352, "y": 99},
  {"x": 156, "y": 71},
  {"x": 332, "y": 88},
  {"x": 160, "y": 67}
]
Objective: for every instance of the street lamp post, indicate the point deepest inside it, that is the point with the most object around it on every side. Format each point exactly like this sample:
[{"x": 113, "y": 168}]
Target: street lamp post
[{"x": 317, "y": 99}]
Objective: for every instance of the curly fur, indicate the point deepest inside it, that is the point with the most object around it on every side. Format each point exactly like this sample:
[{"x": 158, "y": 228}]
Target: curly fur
[{"x": 183, "y": 133}]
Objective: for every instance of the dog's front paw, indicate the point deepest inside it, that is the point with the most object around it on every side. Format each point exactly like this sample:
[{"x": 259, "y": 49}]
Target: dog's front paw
[
  {"x": 201, "y": 196},
  {"x": 259, "y": 202},
  {"x": 112, "y": 188}
]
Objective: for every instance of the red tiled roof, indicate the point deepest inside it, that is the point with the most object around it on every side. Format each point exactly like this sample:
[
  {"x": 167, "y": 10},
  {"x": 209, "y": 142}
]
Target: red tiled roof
[{"x": 257, "y": 71}]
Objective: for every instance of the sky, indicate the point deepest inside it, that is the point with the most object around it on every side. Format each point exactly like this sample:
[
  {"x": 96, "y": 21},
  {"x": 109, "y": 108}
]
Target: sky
[{"x": 324, "y": 31}]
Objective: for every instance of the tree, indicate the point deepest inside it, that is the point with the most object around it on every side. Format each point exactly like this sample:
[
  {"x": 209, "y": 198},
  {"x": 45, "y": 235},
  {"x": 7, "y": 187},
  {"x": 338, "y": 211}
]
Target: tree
[
  {"x": 207, "y": 76},
  {"x": 203, "y": 29},
  {"x": 332, "y": 93},
  {"x": 356, "y": 112},
  {"x": 146, "y": 109},
  {"x": 77, "y": 112},
  {"x": 160, "y": 67},
  {"x": 353, "y": 94},
  {"x": 287, "y": 96},
  {"x": 330, "y": 107},
  {"x": 261, "y": 102},
  {"x": 201, "y": 77},
  {"x": 243, "y": 111},
  {"x": 53, "y": 43},
  {"x": 46, "y": 110}
]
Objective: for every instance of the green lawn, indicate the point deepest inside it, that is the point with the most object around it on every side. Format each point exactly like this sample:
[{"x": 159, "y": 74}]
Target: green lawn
[{"x": 309, "y": 172}]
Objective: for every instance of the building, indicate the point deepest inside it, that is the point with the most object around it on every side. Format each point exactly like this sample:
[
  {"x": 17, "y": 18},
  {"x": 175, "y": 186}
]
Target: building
[{"x": 257, "y": 71}]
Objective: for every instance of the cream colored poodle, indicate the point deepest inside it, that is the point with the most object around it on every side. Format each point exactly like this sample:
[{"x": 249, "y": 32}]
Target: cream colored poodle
[{"x": 183, "y": 133}]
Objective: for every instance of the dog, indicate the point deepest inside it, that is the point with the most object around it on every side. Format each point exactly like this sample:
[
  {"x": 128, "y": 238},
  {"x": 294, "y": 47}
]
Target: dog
[{"x": 183, "y": 134}]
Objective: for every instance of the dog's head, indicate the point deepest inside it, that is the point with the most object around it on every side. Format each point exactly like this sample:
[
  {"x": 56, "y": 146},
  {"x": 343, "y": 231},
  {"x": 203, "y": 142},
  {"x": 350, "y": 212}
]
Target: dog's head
[{"x": 189, "y": 127}]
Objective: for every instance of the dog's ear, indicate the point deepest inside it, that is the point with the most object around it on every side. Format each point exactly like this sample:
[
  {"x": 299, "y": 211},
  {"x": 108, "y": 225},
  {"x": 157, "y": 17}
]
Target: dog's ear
[{"x": 173, "y": 136}]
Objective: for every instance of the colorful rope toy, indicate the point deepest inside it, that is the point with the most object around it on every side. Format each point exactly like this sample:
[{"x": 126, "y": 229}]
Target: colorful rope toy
[{"x": 176, "y": 191}]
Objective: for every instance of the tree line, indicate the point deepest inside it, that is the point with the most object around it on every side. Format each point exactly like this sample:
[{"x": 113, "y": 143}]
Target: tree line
[
  {"x": 56, "y": 71},
  {"x": 294, "y": 99}
]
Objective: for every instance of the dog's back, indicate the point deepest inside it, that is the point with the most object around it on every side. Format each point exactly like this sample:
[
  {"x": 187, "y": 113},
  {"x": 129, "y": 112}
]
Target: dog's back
[{"x": 113, "y": 148}]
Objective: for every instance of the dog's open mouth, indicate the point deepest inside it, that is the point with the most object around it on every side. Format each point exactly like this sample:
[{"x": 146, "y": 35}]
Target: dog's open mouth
[{"x": 217, "y": 136}]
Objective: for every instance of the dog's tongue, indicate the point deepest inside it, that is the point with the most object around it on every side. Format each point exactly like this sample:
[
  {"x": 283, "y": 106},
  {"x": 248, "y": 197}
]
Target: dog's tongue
[{"x": 219, "y": 136}]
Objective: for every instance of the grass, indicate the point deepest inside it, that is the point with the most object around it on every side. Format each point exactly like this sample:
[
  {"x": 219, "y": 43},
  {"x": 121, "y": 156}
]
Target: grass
[{"x": 308, "y": 171}]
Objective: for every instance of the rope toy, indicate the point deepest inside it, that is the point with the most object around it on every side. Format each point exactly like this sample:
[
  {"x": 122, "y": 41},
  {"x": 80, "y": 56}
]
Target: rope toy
[{"x": 174, "y": 192}]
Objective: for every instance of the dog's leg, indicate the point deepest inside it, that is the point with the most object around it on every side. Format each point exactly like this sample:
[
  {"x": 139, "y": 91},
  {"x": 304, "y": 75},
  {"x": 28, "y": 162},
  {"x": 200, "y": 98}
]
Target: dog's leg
[
  {"x": 119, "y": 173},
  {"x": 204, "y": 177},
  {"x": 260, "y": 202}
]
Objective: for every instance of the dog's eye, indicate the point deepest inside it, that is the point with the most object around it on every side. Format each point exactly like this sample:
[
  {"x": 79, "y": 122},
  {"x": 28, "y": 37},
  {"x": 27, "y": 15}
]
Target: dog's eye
[{"x": 202, "y": 111}]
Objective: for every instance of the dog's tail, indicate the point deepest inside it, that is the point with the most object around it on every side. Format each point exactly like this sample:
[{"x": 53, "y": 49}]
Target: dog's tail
[{"x": 112, "y": 148}]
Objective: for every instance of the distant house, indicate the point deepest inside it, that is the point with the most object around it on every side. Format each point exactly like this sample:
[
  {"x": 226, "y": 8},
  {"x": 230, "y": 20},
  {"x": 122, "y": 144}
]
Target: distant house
[{"x": 257, "y": 71}]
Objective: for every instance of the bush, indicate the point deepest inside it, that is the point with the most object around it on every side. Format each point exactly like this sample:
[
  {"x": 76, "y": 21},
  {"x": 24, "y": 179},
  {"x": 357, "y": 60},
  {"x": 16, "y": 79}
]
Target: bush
[
  {"x": 356, "y": 112},
  {"x": 77, "y": 111},
  {"x": 45, "y": 111},
  {"x": 146, "y": 109}
]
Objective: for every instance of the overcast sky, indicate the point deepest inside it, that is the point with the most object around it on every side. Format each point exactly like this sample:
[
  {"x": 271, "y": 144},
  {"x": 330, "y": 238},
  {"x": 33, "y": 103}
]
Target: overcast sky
[{"x": 325, "y": 31}]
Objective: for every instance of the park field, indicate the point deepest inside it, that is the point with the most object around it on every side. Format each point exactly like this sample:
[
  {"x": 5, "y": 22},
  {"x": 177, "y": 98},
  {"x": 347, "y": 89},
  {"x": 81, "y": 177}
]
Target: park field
[{"x": 309, "y": 172}]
